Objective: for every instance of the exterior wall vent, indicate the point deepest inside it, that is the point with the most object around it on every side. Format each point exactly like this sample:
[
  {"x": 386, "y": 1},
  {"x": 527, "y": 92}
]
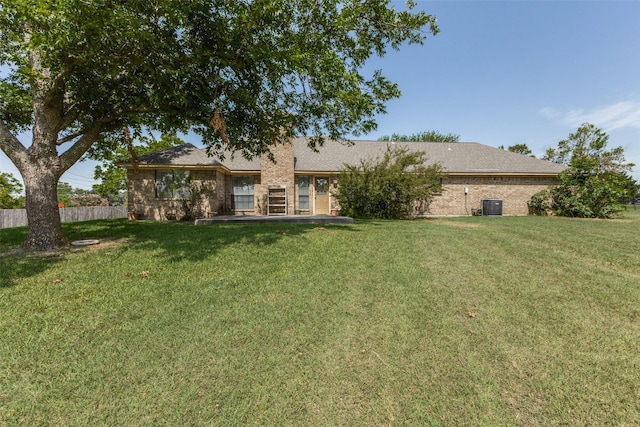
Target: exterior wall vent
[{"x": 491, "y": 207}]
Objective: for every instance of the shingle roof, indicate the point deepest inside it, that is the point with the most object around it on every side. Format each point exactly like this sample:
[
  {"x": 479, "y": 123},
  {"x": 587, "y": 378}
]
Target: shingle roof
[
  {"x": 190, "y": 155},
  {"x": 180, "y": 155},
  {"x": 460, "y": 157}
]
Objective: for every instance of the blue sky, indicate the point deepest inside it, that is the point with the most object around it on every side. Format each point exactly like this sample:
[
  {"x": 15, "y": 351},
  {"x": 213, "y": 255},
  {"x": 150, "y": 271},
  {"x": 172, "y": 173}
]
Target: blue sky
[{"x": 510, "y": 72}]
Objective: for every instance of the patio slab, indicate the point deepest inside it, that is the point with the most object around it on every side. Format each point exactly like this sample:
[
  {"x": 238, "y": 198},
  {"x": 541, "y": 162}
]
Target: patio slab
[{"x": 280, "y": 219}]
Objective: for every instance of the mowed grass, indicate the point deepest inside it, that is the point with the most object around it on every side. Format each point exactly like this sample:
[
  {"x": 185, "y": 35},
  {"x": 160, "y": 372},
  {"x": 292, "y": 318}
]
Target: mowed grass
[{"x": 457, "y": 321}]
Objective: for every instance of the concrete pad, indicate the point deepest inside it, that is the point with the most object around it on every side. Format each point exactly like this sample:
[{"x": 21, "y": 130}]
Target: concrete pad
[{"x": 280, "y": 219}]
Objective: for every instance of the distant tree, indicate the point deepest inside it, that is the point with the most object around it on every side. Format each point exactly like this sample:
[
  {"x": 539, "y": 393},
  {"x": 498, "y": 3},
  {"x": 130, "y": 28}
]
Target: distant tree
[
  {"x": 10, "y": 192},
  {"x": 388, "y": 187},
  {"x": 113, "y": 179},
  {"x": 595, "y": 182},
  {"x": 64, "y": 193},
  {"x": 521, "y": 149},
  {"x": 74, "y": 197},
  {"x": 426, "y": 136}
]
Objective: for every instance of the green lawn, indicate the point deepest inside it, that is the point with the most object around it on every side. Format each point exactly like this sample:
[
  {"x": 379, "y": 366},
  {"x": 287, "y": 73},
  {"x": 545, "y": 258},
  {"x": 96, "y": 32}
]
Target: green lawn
[{"x": 459, "y": 321}]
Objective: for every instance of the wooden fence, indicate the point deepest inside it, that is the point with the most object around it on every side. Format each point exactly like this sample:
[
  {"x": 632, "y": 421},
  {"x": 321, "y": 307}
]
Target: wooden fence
[{"x": 18, "y": 217}]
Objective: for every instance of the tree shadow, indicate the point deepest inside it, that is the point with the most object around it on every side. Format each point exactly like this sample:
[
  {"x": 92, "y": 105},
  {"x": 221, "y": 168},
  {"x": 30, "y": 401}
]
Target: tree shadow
[{"x": 175, "y": 242}]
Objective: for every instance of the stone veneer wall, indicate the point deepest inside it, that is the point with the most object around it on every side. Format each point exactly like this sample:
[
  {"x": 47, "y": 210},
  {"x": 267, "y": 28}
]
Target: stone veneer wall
[
  {"x": 514, "y": 191},
  {"x": 279, "y": 173},
  {"x": 142, "y": 194}
]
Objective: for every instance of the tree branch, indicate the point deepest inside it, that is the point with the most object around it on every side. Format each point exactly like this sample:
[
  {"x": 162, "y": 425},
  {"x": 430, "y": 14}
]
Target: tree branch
[
  {"x": 11, "y": 146},
  {"x": 73, "y": 154},
  {"x": 68, "y": 138}
]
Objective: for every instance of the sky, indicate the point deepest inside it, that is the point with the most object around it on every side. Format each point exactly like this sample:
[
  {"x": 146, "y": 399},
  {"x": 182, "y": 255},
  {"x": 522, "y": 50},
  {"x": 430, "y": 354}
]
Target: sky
[{"x": 508, "y": 72}]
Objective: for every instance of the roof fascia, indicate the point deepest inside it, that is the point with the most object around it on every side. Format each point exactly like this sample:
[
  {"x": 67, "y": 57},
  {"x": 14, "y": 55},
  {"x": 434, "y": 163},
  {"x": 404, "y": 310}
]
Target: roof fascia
[
  {"x": 505, "y": 174},
  {"x": 164, "y": 166}
]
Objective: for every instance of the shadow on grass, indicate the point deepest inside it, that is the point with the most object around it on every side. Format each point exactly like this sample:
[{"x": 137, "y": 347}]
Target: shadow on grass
[{"x": 176, "y": 242}]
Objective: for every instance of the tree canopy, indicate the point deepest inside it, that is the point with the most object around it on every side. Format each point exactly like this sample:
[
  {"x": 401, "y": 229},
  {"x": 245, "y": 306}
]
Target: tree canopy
[
  {"x": 242, "y": 74},
  {"x": 595, "y": 182},
  {"x": 112, "y": 178},
  {"x": 586, "y": 150},
  {"x": 521, "y": 149},
  {"x": 426, "y": 136}
]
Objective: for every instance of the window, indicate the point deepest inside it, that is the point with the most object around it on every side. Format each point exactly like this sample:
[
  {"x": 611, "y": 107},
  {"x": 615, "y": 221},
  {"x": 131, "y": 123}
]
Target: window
[
  {"x": 242, "y": 192},
  {"x": 303, "y": 192},
  {"x": 172, "y": 184}
]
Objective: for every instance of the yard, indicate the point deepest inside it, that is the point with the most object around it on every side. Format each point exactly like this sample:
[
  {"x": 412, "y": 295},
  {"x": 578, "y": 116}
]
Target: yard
[{"x": 456, "y": 321}]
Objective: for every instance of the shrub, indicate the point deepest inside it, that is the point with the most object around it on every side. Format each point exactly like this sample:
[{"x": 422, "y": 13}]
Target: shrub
[
  {"x": 388, "y": 187},
  {"x": 540, "y": 203}
]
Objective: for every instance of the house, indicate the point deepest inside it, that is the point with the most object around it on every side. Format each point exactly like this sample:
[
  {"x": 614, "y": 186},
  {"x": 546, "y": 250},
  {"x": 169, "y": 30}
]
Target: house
[{"x": 302, "y": 181}]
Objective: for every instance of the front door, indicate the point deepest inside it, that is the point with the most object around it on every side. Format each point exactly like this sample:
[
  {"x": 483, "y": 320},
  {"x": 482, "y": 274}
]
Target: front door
[{"x": 321, "y": 195}]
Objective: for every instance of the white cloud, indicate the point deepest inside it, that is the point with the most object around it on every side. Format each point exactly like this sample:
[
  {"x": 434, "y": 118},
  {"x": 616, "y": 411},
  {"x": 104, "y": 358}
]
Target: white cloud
[{"x": 624, "y": 114}]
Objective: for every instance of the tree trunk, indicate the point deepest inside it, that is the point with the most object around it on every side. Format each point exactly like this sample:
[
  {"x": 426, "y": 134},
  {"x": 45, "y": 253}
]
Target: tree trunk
[{"x": 45, "y": 227}]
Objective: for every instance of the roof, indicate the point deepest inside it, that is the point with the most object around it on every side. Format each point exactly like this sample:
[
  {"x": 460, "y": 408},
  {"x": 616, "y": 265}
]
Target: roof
[
  {"x": 456, "y": 158},
  {"x": 180, "y": 155},
  {"x": 190, "y": 155}
]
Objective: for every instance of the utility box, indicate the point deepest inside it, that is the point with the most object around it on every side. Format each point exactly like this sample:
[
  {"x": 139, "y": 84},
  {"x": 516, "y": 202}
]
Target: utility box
[{"x": 491, "y": 207}]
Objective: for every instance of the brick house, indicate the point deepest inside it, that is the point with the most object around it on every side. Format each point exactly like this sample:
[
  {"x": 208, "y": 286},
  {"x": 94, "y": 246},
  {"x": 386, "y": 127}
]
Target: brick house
[{"x": 302, "y": 181}]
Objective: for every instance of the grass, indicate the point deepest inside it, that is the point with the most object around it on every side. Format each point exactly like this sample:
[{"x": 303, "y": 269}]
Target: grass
[{"x": 459, "y": 321}]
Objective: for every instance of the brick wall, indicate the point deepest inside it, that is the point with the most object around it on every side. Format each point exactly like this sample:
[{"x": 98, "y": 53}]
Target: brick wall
[
  {"x": 514, "y": 192},
  {"x": 142, "y": 194},
  {"x": 279, "y": 173}
]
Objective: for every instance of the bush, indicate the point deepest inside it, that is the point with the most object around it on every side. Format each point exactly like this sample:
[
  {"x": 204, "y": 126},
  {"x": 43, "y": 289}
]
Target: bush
[
  {"x": 539, "y": 203},
  {"x": 586, "y": 197},
  {"x": 596, "y": 196},
  {"x": 388, "y": 187},
  {"x": 595, "y": 182}
]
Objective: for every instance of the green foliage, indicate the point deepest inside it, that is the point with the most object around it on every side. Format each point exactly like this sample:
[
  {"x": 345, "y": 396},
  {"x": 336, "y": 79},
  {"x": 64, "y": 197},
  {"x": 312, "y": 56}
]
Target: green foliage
[
  {"x": 521, "y": 149},
  {"x": 427, "y": 136},
  {"x": 75, "y": 197},
  {"x": 586, "y": 150},
  {"x": 540, "y": 203},
  {"x": 388, "y": 187},
  {"x": 192, "y": 206},
  {"x": 113, "y": 179},
  {"x": 175, "y": 65},
  {"x": 10, "y": 189},
  {"x": 65, "y": 191},
  {"x": 242, "y": 74},
  {"x": 595, "y": 182}
]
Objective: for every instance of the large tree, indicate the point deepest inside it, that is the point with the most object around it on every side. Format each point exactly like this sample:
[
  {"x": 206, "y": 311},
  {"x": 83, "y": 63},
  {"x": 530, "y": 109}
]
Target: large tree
[{"x": 245, "y": 74}]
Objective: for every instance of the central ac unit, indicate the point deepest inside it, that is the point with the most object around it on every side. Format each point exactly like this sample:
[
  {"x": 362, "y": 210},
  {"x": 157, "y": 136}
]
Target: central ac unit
[{"x": 491, "y": 207}]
